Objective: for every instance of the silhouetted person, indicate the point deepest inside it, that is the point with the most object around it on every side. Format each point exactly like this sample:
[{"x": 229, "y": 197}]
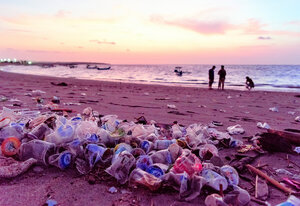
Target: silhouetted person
[
  {"x": 211, "y": 76},
  {"x": 249, "y": 83},
  {"x": 222, "y": 75}
]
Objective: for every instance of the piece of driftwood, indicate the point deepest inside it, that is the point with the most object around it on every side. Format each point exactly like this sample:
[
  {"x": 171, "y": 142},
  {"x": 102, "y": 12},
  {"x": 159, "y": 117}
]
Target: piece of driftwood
[
  {"x": 290, "y": 136},
  {"x": 269, "y": 179}
]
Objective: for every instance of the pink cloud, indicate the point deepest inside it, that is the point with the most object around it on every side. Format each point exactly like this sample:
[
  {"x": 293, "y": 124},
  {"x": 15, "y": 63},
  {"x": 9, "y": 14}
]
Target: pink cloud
[
  {"x": 62, "y": 13},
  {"x": 264, "y": 38},
  {"x": 103, "y": 42},
  {"x": 203, "y": 27}
]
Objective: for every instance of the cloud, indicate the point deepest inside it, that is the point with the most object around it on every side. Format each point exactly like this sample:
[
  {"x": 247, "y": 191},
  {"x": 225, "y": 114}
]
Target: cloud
[
  {"x": 295, "y": 23},
  {"x": 41, "y": 51},
  {"x": 103, "y": 42},
  {"x": 202, "y": 27},
  {"x": 80, "y": 47},
  {"x": 264, "y": 38},
  {"x": 62, "y": 13}
]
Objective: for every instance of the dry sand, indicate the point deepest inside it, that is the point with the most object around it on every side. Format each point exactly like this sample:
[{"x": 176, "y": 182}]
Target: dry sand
[{"x": 129, "y": 101}]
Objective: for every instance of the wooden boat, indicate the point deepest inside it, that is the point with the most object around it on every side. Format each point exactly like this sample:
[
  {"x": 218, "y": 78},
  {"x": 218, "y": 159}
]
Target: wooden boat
[
  {"x": 105, "y": 68},
  {"x": 96, "y": 67}
]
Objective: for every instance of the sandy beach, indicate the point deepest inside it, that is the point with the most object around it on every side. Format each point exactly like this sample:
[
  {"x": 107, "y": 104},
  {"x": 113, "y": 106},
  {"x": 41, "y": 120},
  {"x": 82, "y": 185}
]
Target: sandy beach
[{"x": 164, "y": 104}]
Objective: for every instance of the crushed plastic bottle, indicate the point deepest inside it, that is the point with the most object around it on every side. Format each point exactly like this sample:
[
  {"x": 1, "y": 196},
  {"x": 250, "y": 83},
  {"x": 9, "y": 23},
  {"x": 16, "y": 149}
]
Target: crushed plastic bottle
[
  {"x": 37, "y": 149},
  {"x": 163, "y": 144},
  {"x": 214, "y": 200},
  {"x": 231, "y": 174},
  {"x": 187, "y": 162},
  {"x": 291, "y": 201},
  {"x": 62, "y": 160},
  {"x": 143, "y": 162},
  {"x": 140, "y": 177},
  {"x": 214, "y": 180},
  {"x": 207, "y": 151},
  {"x": 95, "y": 153},
  {"x": 120, "y": 168}
]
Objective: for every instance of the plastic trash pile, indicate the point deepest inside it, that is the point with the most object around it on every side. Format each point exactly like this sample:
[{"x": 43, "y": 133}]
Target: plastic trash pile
[{"x": 138, "y": 153}]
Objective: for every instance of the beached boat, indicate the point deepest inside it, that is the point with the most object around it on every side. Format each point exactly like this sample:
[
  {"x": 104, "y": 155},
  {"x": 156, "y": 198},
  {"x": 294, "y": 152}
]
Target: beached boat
[{"x": 104, "y": 68}]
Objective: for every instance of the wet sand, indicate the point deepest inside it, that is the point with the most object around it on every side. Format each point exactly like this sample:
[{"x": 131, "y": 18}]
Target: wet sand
[{"x": 130, "y": 101}]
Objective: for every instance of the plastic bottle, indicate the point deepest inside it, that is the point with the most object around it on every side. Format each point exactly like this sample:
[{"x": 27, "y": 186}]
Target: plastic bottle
[
  {"x": 207, "y": 151},
  {"x": 231, "y": 174},
  {"x": 146, "y": 146},
  {"x": 188, "y": 163},
  {"x": 214, "y": 179},
  {"x": 176, "y": 131},
  {"x": 143, "y": 162},
  {"x": 62, "y": 160},
  {"x": 12, "y": 130},
  {"x": 236, "y": 129},
  {"x": 37, "y": 149},
  {"x": 214, "y": 200},
  {"x": 243, "y": 197},
  {"x": 291, "y": 201},
  {"x": 94, "y": 153},
  {"x": 155, "y": 170},
  {"x": 4, "y": 121},
  {"x": 140, "y": 177},
  {"x": 63, "y": 134},
  {"x": 163, "y": 144},
  {"x": 93, "y": 138},
  {"x": 39, "y": 132}
]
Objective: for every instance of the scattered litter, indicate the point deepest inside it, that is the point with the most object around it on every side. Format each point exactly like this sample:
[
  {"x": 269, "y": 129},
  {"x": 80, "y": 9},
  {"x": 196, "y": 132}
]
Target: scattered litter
[
  {"x": 291, "y": 113},
  {"x": 138, "y": 152},
  {"x": 263, "y": 125},
  {"x": 297, "y": 119},
  {"x": 3, "y": 98},
  {"x": 171, "y": 106},
  {"x": 273, "y": 109},
  {"x": 146, "y": 93},
  {"x": 236, "y": 129},
  {"x": 283, "y": 171},
  {"x": 112, "y": 190},
  {"x": 297, "y": 149},
  {"x": 291, "y": 201},
  {"x": 60, "y": 84},
  {"x": 83, "y": 94},
  {"x": 51, "y": 202}
]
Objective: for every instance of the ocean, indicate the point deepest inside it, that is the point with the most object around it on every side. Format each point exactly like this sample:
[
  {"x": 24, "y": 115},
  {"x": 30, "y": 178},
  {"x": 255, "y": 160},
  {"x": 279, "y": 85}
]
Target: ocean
[{"x": 266, "y": 77}]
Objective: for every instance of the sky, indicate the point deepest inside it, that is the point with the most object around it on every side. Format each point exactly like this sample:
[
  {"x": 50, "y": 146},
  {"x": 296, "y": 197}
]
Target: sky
[{"x": 152, "y": 31}]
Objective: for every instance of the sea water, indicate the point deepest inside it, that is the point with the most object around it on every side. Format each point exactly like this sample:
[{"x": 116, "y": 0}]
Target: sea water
[{"x": 266, "y": 77}]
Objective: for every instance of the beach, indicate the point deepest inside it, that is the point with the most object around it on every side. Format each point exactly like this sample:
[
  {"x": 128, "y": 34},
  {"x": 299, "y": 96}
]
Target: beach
[{"x": 163, "y": 104}]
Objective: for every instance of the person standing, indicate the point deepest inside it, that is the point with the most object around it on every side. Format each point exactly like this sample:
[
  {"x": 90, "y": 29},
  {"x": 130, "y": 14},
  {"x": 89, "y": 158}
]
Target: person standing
[
  {"x": 222, "y": 75},
  {"x": 211, "y": 76}
]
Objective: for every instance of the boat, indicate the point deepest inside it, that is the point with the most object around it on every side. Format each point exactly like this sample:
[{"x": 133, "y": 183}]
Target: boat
[
  {"x": 96, "y": 67},
  {"x": 178, "y": 71}
]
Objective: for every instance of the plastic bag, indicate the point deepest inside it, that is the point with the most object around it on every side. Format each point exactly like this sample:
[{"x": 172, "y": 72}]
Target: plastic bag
[
  {"x": 236, "y": 129},
  {"x": 187, "y": 162}
]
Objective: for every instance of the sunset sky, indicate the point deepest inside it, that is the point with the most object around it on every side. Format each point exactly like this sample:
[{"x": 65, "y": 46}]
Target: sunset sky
[{"x": 152, "y": 32}]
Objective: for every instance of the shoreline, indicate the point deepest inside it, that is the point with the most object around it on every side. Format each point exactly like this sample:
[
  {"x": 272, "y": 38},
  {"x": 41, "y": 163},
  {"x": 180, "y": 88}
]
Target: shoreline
[
  {"x": 163, "y": 104},
  {"x": 228, "y": 86}
]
